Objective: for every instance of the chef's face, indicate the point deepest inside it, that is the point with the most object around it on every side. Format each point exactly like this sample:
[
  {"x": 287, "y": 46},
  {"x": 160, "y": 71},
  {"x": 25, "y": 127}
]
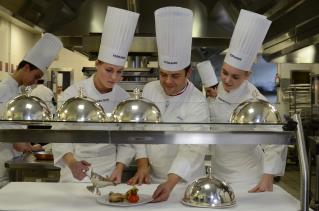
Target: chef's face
[
  {"x": 174, "y": 82},
  {"x": 30, "y": 76},
  {"x": 232, "y": 77},
  {"x": 107, "y": 75}
]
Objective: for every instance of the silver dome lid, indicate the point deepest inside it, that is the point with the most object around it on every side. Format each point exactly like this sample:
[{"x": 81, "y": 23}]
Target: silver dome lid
[
  {"x": 255, "y": 111},
  {"x": 26, "y": 107},
  {"x": 209, "y": 192},
  {"x": 81, "y": 109},
  {"x": 137, "y": 109}
]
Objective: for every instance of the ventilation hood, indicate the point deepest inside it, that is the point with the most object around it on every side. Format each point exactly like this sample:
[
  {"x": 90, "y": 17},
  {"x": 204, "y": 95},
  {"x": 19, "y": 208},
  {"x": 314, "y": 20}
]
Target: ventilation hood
[{"x": 79, "y": 24}]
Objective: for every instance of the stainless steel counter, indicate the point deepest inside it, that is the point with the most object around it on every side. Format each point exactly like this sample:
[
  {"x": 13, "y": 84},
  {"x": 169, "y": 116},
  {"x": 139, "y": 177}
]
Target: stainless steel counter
[{"x": 27, "y": 168}]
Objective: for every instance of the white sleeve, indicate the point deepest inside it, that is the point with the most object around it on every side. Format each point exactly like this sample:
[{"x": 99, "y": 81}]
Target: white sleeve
[
  {"x": 59, "y": 150},
  {"x": 189, "y": 160},
  {"x": 275, "y": 159},
  {"x": 140, "y": 151},
  {"x": 125, "y": 153}
]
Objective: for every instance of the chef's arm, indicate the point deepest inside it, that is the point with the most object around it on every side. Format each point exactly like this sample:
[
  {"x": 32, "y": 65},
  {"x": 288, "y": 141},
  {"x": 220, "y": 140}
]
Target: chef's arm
[
  {"x": 274, "y": 165},
  {"x": 125, "y": 153},
  {"x": 189, "y": 161},
  {"x": 69, "y": 159},
  {"x": 163, "y": 191},
  {"x": 275, "y": 159},
  {"x": 78, "y": 168},
  {"x": 59, "y": 150}
]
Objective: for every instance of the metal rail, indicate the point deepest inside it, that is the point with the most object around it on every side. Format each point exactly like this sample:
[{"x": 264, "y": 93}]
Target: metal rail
[{"x": 304, "y": 166}]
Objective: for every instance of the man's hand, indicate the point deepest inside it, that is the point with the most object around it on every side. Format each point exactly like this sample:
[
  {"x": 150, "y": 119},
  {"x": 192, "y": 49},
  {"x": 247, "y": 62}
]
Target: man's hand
[
  {"x": 78, "y": 168},
  {"x": 116, "y": 175},
  {"x": 22, "y": 147},
  {"x": 142, "y": 174},
  {"x": 163, "y": 191},
  {"x": 265, "y": 184}
]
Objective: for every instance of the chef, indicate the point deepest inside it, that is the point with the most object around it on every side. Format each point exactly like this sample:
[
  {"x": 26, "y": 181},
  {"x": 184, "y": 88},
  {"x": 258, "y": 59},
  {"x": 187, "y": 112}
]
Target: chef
[
  {"x": 209, "y": 79},
  {"x": 29, "y": 70},
  {"x": 44, "y": 93},
  {"x": 178, "y": 100},
  {"x": 251, "y": 164},
  {"x": 105, "y": 159}
]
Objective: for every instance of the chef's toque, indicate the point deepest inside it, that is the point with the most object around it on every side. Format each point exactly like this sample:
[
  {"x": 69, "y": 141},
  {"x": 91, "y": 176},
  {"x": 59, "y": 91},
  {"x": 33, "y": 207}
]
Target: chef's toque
[
  {"x": 249, "y": 33},
  {"x": 174, "y": 37},
  {"x": 44, "y": 51},
  {"x": 207, "y": 73},
  {"x": 117, "y": 36}
]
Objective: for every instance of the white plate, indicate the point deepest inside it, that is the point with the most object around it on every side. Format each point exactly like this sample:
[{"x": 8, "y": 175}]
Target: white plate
[{"x": 143, "y": 200}]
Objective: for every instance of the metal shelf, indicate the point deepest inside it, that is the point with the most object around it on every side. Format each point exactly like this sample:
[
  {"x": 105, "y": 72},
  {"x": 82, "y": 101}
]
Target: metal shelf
[{"x": 143, "y": 133}]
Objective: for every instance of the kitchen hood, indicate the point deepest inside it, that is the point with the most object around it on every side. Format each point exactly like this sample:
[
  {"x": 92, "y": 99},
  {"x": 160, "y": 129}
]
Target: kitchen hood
[{"x": 79, "y": 23}]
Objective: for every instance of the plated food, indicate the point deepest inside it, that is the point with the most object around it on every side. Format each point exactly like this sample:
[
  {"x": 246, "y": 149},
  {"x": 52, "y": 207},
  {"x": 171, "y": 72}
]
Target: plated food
[
  {"x": 131, "y": 196},
  {"x": 127, "y": 199}
]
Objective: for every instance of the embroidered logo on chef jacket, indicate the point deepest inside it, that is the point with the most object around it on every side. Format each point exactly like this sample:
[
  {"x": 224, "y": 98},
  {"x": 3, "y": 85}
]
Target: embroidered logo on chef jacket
[
  {"x": 221, "y": 99},
  {"x": 102, "y": 100}
]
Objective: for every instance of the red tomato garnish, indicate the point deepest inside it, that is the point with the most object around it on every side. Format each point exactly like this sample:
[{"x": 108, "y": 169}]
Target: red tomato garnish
[{"x": 133, "y": 198}]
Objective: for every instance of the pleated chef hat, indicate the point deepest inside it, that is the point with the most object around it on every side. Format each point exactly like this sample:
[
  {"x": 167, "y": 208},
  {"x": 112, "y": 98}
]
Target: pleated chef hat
[
  {"x": 44, "y": 51},
  {"x": 174, "y": 37},
  {"x": 117, "y": 36},
  {"x": 207, "y": 73},
  {"x": 249, "y": 33}
]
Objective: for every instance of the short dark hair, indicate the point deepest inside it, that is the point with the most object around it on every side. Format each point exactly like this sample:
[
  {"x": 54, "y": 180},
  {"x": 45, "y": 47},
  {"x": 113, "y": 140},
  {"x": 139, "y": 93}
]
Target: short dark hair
[
  {"x": 23, "y": 63},
  {"x": 188, "y": 67},
  {"x": 40, "y": 81},
  {"x": 215, "y": 86}
]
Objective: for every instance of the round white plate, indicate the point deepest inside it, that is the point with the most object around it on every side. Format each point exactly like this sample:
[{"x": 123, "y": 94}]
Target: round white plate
[{"x": 143, "y": 200}]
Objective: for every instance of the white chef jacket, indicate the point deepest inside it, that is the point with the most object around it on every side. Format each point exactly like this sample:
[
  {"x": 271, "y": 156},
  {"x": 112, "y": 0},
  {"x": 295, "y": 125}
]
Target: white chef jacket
[
  {"x": 186, "y": 161},
  {"x": 103, "y": 157},
  {"x": 243, "y": 163},
  {"x": 45, "y": 94},
  {"x": 9, "y": 88}
]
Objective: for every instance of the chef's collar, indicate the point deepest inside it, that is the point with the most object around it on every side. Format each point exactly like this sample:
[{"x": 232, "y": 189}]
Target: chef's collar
[{"x": 181, "y": 92}]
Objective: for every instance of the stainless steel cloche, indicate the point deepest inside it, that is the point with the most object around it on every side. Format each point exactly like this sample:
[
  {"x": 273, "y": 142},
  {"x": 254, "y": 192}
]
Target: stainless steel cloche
[
  {"x": 209, "y": 192},
  {"x": 255, "y": 111},
  {"x": 136, "y": 109},
  {"x": 81, "y": 109},
  {"x": 27, "y": 107}
]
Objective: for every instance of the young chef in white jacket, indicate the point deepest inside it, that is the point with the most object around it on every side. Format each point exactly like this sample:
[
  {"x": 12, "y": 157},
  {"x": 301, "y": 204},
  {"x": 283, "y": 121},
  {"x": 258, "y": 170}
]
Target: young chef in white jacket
[
  {"x": 208, "y": 77},
  {"x": 105, "y": 159},
  {"x": 254, "y": 164},
  {"x": 29, "y": 70},
  {"x": 178, "y": 100}
]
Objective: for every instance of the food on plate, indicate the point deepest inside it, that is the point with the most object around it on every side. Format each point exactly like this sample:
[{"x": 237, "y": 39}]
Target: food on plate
[
  {"x": 116, "y": 197},
  {"x": 130, "y": 195}
]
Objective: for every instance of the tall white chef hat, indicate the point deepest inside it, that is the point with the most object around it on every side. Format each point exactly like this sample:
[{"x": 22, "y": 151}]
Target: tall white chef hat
[
  {"x": 117, "y": 36},
  {"x": 207, "y": 73},
  {"x": 44, "y": 51},
  {"x": 249, "y": 33},
  {"x": 174, "y": 37}
]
